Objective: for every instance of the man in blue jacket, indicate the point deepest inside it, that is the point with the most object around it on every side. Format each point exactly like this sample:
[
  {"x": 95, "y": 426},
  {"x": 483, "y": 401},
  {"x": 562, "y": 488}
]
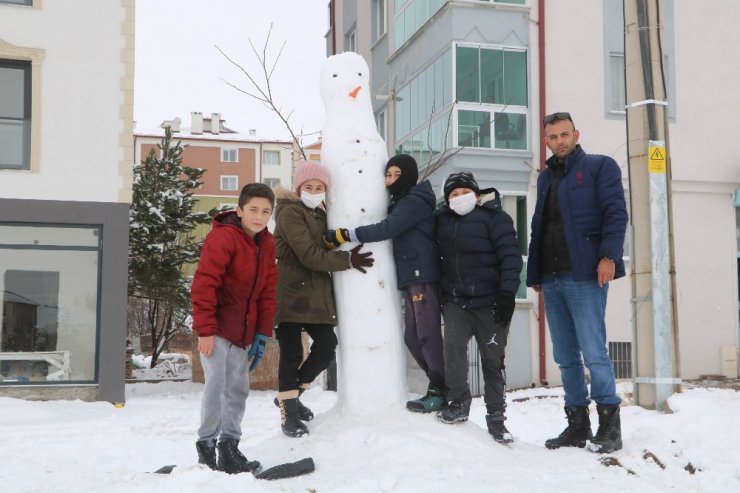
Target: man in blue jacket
[{"x": 578, "y": 230}]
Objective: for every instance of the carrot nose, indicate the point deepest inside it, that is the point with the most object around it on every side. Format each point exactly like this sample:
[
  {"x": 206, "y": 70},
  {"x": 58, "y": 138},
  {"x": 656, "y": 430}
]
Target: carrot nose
[{"x": 354, "y": 91}]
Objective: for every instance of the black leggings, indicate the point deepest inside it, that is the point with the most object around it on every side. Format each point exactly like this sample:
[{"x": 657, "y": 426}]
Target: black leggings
[{"x": 291, "y": 373}]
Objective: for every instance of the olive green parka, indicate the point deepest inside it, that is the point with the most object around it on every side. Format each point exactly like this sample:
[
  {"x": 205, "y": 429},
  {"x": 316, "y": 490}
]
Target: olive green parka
[{"x": 304, "y": 289}]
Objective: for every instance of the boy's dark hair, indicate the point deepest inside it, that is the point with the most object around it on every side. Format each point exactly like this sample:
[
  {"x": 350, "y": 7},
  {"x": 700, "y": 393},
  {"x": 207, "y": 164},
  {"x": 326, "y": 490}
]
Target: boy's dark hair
[{"x": 252, "y": 190}]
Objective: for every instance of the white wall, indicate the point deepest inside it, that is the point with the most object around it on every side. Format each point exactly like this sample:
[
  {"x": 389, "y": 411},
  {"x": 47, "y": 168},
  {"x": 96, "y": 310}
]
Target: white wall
[
  {"x": 82, "y": 71},
  {"x": 705, "y": 157}
]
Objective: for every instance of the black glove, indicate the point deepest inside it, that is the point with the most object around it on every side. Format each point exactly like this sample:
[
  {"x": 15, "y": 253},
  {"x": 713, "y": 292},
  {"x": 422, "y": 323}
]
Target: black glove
[
  {"x": 503, "y": 308},
  {"x": 334, "y": 238},
  {"x": 360, "y": 260}
]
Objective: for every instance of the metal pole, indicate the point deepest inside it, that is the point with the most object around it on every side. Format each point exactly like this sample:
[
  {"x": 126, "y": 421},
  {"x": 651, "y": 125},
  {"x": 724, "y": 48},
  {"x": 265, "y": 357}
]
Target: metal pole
[{"x": 649, "y": 174}]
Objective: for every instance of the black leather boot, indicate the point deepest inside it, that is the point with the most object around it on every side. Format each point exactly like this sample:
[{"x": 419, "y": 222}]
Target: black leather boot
[
  {"x": 206, "y": 453},
  {"x": 304, "y": 413},
  {"x": 290, "y": 422},
  {"x": 577, "y": 432},
  {"x": 231, "y": 460},
  {"x": 609, "y": 435}
]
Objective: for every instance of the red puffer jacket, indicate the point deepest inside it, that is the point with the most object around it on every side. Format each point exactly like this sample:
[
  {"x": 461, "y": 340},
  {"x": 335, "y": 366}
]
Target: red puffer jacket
[{"x": 233, "y": 291}]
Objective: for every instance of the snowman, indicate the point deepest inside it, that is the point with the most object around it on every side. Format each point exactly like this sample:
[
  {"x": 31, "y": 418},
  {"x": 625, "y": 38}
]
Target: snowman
[{"x": 371, "y": 359}]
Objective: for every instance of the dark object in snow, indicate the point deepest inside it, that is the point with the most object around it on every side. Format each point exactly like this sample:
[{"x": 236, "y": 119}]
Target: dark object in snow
[
  {"x": 648, "y": 456},
  {"x": 288, "y": 470},
  {"x": 165, "y": 469},
  {"x": 609, "y": 461}
]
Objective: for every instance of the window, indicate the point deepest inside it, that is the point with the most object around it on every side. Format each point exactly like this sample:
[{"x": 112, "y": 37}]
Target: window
[
  {"x": 621, "y": 355},
  {"x": 379, "y": 18},
  {"x": 229, "y": 155},
  {"x": 15, "y": 114},
  {"x": 516, "y": 207},
  {"x": 616, "y": 72},
  {"x": 380, "y": 124},
  {"x": 229, "y": 182},
  {"x": 49, "y": 284},
  {"x": 411, "y": 15},
  {"x": 350, "y": 41},
  {"x": 18, "y": 2},
  {"x": 271, "y": 182},
  {"x": 493, "y": 96},
  {"x": 271, "y": 157}
]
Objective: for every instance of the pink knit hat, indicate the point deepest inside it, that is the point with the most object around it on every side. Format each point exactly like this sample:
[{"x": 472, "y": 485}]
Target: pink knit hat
[{"x": 310, "y": 170}]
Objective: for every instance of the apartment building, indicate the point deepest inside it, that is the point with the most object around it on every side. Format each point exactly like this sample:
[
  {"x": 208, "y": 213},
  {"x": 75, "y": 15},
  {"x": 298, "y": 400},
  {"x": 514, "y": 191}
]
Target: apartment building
[{"x": 66, "y": 112}]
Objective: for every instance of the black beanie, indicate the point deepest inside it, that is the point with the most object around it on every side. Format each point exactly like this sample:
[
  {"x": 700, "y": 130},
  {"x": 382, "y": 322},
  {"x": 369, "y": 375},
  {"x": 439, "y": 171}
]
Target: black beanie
[
  {"x": 409, "y": 173},
  {"x": 461, "y": 179}
]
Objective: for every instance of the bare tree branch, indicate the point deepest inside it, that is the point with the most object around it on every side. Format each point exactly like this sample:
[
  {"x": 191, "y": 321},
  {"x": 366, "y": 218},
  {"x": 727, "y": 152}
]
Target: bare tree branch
[{"x": 263, "y": 88}]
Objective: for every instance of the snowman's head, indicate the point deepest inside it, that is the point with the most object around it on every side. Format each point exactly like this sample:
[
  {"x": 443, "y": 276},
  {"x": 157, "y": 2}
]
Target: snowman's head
[{"x": 345, "y": 80}]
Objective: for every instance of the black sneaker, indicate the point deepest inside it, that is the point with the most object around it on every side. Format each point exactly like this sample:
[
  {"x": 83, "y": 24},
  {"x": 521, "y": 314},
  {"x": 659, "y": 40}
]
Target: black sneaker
[
  {"x": 497, "y": 429},
  {"x": 455, "y": 412}
]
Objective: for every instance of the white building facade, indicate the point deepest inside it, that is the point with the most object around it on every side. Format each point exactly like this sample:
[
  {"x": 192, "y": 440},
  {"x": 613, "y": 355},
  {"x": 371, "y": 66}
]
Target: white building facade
[
  {"x": 66, "y": 154},
  {"x": 466, "y": 80}
]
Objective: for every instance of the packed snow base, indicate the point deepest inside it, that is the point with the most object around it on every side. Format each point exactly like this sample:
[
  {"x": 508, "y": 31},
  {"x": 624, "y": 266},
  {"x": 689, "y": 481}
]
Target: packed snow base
[{"x": 73, "y": 446}]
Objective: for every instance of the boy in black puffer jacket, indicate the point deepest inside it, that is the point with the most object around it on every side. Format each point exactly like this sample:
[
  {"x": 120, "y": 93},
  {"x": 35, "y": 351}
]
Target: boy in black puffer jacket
[{"x": 481, "y": 263}]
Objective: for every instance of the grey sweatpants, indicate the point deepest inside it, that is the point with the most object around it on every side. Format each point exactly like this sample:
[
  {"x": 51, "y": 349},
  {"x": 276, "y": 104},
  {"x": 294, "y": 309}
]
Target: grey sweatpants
[{"x": 225, "y": 393}]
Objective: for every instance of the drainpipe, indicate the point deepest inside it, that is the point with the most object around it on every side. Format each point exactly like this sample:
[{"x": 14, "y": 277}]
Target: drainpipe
[
  {"x": 543, "y": 112},
  {"x": 333, "y": 26}
]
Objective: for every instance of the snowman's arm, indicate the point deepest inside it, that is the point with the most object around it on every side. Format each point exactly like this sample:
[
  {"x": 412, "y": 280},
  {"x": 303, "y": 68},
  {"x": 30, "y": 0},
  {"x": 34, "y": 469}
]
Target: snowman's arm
[
  {"x": 409, "y": 212},
  {"x": 310, "y": 251}
]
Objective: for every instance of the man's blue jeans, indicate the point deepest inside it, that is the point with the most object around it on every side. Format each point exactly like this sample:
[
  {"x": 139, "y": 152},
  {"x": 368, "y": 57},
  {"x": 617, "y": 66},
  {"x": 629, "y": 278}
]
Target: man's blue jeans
[{"x": 575, "y": 313}]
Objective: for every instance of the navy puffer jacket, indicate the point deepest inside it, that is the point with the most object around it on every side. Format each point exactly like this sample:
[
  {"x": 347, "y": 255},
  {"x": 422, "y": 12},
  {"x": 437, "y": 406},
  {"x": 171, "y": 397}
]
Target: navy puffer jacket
[
  {"x": 479, "y": 252},
  {"x": 594, "y": 215},
  {"x": 410, "y": 223}
]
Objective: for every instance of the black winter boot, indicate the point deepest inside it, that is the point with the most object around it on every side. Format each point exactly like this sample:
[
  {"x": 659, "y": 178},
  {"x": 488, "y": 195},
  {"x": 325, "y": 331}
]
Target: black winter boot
[
  {"x": 290, "y": 422},
  {"x": 455, "y": 412},
  {"x": 577, "y": 432},
  {"x": 231, "y": 460},
  {"x": 207, "y": 453},
  {"x": 609, "y": 435},
  {"x": 304, "y": 413},
  {"x": 497, "y": 428}
]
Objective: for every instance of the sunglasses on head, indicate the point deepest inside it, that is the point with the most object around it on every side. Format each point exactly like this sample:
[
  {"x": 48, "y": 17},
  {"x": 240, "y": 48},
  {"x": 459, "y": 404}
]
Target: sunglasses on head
[{"x": 556, "y": 117}]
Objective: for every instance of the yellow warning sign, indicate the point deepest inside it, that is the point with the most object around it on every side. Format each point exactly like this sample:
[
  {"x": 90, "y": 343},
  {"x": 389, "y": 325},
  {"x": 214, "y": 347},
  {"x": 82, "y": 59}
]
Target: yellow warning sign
[{"x": 656, "y": 159}]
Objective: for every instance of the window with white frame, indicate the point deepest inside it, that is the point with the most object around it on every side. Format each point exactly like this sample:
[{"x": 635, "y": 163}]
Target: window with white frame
[
  {"x": 18, "y": 2},
  {"x": 491, "y": 87},
  {"x": 229, "y": 182},
  {"x": 516, "y": 207},
  {"x": 271, "y": 157},
  {"x": 271, "y": 182},
  {"x": 350, "y": 41},
  {"x": 380, "y": 123},
  {"x": 229, "y": 155},
  {"x": 378, "y": 19},
  {"x": 15, "y": 114}
]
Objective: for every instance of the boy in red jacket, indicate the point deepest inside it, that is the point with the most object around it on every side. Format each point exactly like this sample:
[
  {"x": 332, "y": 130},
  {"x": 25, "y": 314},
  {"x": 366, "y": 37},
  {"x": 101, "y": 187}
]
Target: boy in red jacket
[{"x": 233, "y": 295}]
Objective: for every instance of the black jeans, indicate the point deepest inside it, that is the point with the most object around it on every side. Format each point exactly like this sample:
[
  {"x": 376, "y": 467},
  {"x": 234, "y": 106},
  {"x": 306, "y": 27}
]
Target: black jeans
[
  {"x": 460, "y": 326},
  {"x": 291, "y": 373}
]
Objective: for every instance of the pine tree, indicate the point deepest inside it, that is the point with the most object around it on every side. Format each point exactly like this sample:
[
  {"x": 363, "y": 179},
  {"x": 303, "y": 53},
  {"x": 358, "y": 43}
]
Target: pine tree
[{"x": 161, "y": 240}]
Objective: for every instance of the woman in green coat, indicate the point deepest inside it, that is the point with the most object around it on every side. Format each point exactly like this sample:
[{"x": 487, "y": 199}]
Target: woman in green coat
[{"x": 305, "y": 299}]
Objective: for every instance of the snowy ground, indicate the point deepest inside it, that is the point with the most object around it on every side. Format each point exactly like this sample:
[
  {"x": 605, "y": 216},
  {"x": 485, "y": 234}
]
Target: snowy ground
[{"x": 73, "y": 446}]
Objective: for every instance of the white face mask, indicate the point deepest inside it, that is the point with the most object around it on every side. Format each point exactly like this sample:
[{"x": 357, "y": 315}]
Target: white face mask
[
  {"x": 311, "y": 200},
  {"x": 463, "y": 204}
]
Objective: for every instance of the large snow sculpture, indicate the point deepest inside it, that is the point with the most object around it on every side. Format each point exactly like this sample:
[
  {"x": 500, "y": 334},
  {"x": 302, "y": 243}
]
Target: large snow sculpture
[{"x": 371, "y": 358}]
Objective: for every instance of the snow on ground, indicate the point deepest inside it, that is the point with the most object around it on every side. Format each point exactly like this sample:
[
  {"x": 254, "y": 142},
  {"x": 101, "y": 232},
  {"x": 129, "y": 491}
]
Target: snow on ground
[{"x": 73, "y": 446}]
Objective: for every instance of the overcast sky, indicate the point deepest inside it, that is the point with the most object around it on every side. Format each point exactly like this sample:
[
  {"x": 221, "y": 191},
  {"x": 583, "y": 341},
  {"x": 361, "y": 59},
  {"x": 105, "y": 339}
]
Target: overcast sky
[{"x": 178, "y": 69}]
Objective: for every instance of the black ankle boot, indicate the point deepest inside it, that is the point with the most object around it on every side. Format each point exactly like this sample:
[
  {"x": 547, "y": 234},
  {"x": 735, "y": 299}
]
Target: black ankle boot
[
  {"x": 290, "y": 423},
  {"x": 207, "y": 453},
  {"x": 304, "y": 413},
  {"x": 609, "y": 435},
  {"x": 577, "y": 432},
  {"x": 231, "y": 460}
]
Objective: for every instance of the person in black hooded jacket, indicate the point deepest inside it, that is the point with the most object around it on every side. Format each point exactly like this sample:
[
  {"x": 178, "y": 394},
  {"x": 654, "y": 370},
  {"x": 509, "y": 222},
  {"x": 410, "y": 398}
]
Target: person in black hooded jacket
[
  {"x": 410, "y": 224},
  {"x": 481, "y": 263}
]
